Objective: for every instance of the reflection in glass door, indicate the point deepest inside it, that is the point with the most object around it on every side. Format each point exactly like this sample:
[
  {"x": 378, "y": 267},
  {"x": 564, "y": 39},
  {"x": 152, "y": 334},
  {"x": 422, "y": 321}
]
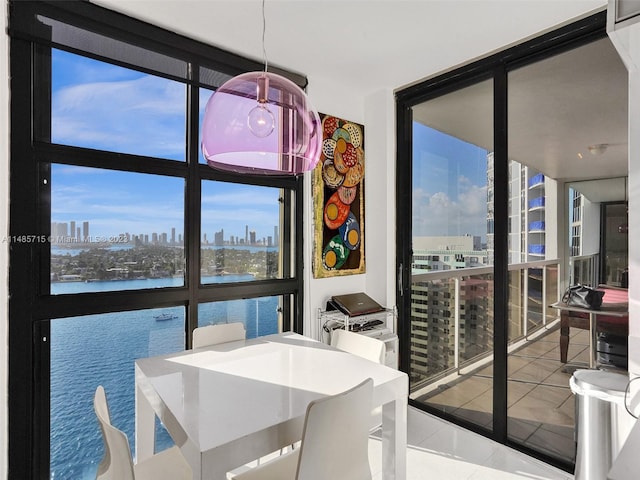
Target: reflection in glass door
[{"x": 452, "y": 324}]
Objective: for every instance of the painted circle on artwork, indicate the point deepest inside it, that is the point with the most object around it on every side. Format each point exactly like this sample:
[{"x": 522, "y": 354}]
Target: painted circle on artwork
[
  {"x": 328, "y": 146},
  {"x": 329, "y": 125},
  {"x": 354, "y": 175},
  {"x": 332, "y": 178},
  {"x": 341, "y": 133},
  {"x": 350, "y": 232},
  {"x": 347, "y": 194},
  {"x": 355, "y": 133},
  {"x": 335, "y": 254},
  {"x": 338, "y": 162},
  {"x": 349, "y": 155},
  {"x": 335, "y": 212}
]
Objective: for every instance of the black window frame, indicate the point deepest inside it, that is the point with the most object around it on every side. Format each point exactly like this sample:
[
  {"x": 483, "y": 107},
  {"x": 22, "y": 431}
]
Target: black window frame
[
  {"x": 31, "y": 307},
  {"x": 496, "y": 67}
]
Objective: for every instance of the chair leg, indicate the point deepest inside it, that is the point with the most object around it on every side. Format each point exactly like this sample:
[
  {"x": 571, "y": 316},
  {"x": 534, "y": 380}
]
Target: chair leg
[{"x": 564, "y": 344}]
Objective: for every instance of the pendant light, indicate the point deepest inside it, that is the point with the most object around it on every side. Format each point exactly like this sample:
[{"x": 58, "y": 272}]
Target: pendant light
[{"x": 261, "y": 123}]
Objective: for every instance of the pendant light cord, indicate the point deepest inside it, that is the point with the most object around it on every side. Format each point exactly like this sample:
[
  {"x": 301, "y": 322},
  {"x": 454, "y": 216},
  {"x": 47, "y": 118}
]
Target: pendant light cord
[{"x": 264, "y": 28}]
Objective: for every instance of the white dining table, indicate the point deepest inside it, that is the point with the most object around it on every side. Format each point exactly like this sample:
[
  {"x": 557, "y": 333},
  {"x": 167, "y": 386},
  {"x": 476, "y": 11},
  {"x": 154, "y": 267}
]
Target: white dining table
[{"x": 229, "y": 404}]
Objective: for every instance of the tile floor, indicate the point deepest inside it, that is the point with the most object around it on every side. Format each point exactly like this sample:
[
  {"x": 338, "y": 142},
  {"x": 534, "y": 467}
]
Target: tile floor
[
  {"x": 440, "y": 450},
  {"x": 540, "y": 403}
]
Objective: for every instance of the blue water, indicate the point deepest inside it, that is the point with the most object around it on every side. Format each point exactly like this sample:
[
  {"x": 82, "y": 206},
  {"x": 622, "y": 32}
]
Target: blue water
[{"x": 101, "y": 349}]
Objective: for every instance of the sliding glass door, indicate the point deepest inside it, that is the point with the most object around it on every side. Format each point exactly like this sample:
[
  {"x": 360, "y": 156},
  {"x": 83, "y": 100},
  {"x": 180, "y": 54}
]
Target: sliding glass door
[
  {"x": 451, "y": 322},
  {"x": 485, "y": 236}
]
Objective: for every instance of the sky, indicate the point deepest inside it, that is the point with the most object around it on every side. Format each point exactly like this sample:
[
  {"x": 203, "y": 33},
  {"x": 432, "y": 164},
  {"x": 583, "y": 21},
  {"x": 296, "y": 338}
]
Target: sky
[
  {"x": 449, "y": 185},
  {"x": 98, "y": 105}
]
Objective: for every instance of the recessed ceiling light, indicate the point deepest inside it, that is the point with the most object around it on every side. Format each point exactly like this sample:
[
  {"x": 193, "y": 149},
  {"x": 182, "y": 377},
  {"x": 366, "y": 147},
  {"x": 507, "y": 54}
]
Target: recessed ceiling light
[{"x": 598, "y": 149}]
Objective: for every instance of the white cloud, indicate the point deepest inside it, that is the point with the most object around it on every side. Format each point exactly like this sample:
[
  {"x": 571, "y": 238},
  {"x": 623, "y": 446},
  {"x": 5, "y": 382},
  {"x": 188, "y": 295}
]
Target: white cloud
[
  {"x": 145, "y": 116},
  {"x": 437, "y": 214}
]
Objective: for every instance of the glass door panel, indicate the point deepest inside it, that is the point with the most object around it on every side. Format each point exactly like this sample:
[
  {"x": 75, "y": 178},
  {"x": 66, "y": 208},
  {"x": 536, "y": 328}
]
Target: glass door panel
[
  {"x": 540, "y": 404},
  {"x": 452, "y": 266}
]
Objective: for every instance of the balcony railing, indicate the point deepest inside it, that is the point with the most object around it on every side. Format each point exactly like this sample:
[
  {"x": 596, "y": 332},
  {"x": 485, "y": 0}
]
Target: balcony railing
[
  {"x": 452, "y": 322},
  {"x": 584, "y": 269}
]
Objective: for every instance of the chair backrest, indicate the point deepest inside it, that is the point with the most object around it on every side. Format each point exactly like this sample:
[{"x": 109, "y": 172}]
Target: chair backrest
[
  {"x": 116, "y": 464},
  {"x": 361, "y": 345},
  {"x": 219, "y": 333},
  {"x": 335, "y": 439}
]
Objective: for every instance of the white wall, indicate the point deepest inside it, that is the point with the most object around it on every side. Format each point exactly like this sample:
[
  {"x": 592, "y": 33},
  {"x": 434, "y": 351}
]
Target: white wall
[
  {"x": 377, "y": 113},
  {"x": 634, "y": 218},
  {"x": 4, "y": 231},
  {"x": 318, "y": 291},
  {"x": 627, "y": 43}
]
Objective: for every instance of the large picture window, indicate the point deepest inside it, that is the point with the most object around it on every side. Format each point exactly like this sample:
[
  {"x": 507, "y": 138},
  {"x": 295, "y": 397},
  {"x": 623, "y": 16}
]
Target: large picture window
[{"x": 125, "y": 239}]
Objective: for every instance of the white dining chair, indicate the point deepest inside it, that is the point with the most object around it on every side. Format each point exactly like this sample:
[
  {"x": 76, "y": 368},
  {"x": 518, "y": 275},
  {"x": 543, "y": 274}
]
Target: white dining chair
[
  {"x": 218, "y": 333},
  {"x": 358, "y": 344},
  {"x": 117, "y": 463},
  {"x": 365, "y": 347},
  {"x": 335, "y": 441}
]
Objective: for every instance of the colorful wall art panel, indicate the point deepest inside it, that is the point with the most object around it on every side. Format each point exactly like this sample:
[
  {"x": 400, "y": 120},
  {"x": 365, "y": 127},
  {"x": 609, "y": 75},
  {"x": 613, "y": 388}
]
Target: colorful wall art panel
[{"x": 338, "y": 200}]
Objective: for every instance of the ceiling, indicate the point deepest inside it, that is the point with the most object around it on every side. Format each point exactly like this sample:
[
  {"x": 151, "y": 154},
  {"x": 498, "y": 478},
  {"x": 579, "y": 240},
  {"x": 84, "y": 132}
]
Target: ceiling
[{"x": 558, "y": 107}]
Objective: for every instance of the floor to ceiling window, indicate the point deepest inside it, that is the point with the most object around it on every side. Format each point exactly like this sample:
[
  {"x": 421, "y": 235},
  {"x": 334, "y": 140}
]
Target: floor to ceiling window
[
  {"x": 451, "y": 325},
  {"x": 484, "y": 233},
  {"x": 123, "y": 239}
]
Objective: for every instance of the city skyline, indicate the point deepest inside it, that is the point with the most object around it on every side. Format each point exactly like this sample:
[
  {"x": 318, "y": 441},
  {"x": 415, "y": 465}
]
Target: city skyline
[{"x": 70, "y": 232}]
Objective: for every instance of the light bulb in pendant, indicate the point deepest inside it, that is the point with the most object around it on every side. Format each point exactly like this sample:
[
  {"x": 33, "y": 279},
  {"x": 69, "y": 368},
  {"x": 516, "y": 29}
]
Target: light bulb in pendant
[{"x": 261, "y": 121}]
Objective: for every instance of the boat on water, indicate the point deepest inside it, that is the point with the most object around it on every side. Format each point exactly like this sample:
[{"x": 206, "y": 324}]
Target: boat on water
[{"x": 165, "y": 316}]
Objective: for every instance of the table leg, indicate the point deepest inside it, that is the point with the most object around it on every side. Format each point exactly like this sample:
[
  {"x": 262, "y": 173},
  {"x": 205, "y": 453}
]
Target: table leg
[
  {"x": 394, "y": 439},
  {"x": 145, "y": 426},
  {"x": 592, "y": 340}
]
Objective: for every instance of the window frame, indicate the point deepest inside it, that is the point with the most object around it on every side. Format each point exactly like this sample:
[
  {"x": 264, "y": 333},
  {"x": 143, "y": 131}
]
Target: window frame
[
  {"x": 496, "y": 66},
  {"x": 31, "y": 307}
]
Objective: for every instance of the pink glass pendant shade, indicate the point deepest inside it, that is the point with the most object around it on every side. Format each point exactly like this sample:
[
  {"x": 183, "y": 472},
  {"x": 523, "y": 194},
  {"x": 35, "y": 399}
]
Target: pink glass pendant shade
[{"x": 261, "y": 123}]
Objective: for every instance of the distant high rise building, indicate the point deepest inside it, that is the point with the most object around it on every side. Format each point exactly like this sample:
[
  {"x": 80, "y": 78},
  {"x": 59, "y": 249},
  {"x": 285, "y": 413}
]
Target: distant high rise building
[
  {"x": 72, "y": 229},
  {"x": 219, "y": 238},
  {"x": 246, "y": 234},
  {"x": 252, "y": 237},
  {"x": 438, "y": 304},
  {"x": 173, "y": 235},
  {"x": 85, "y": 231}
]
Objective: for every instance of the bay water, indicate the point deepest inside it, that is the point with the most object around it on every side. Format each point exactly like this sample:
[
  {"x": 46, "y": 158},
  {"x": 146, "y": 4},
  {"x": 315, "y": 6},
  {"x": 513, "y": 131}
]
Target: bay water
[{"x": 101, "y": 349}]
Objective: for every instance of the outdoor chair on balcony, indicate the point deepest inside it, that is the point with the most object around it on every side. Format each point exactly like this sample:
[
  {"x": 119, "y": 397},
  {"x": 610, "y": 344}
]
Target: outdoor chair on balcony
[{"x": 219, "y": 333}]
